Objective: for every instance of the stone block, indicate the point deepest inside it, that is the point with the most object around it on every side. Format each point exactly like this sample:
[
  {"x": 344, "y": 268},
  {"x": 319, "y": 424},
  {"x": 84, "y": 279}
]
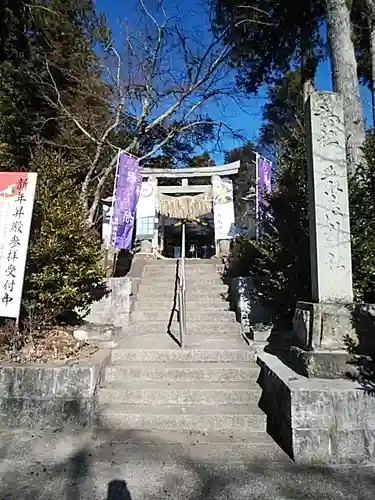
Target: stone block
[
  {"x": 331, "y": 326},
  {"x": 114, "y": 311},
  {"x": 146, "y": 246},
  {"x": 321, "y": 325},
  {"x": 321, "y": 363},
  {"x": 253, "y": 316},
  {"x": 52, "y": 394},
  {"x": 317, "y": 419},
  {"x": 260, "y": 333},
  {"x": 311, "y": 445},
  {"x": 121, "y": 320},
  {"x": 102, "y": 332},
  {"x": 223, "y": 247},
  {"x": 47, "y": 413},
  {"x": 120, "y": 293}
]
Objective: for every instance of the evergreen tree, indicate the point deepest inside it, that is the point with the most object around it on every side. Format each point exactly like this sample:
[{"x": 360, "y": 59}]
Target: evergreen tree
[
  {"x": 42, "y": 45},
  {"x": 47, "y": 48},
  {"x": 271, "y": 38},
  {"x": 279, "y": 263},
  {"x": 244, "y": 183}
]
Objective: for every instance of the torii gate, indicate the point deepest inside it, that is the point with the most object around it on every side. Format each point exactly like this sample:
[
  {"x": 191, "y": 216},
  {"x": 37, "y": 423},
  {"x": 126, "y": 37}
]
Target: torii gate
[{"x": 194, "y": 201}]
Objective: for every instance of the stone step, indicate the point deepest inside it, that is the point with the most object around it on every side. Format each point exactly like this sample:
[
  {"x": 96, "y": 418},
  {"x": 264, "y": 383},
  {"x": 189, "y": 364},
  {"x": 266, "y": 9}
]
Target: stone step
[
  {"x": 173, "y": 372},
  {"x": 217, "y": 303},
  {"x": 202, "y": 296},
  {"x": 136, "y": 339},
  {"x": 148, "y": 342},
  {"x": 164, "y": 465},
  {"x": 16, "y": 444},
  {"x": 197, "y": 288},
  {"x": 189, "y": 271},
  {"x": 223, "y": 448},
  {"x": 189, "y": 268},
  {"x": 166, "y": 283},
  {"x": 197, "y": 315},
  {"x": 179, "y": 393},
  {"x": 194, "y": 336},
  {"x": 191, "y": 297},
  {"x": 195, "y": 276},
  {"x": 194, "y": 330},
  {"x": 193, "y": 327},
  {"x": 228, "y": 418},
  {"x": 190, "y": 276},
  {"x": 183, "y": 355},
  {"x": 161, "y": 288},
  {"x": 188, "y": 263}
]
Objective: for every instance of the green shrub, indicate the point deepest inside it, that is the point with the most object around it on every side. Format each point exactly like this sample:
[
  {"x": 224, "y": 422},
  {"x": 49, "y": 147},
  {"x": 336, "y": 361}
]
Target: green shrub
[
  {"x": 63, "y": 269},
  {"x": 279, "y": 263},
  {"x": 362, "y": 224}
]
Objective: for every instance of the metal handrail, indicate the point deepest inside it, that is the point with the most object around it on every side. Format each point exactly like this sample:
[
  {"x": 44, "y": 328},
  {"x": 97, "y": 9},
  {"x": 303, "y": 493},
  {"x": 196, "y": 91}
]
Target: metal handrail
[
  {"x": 181, "y": 284},
  {"x": 181, "y": 309}
]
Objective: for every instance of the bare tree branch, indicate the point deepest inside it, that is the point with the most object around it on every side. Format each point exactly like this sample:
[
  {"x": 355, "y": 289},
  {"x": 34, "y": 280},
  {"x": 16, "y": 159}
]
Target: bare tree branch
[
  {"x": 159, "y": 84},
  {"x": 107, "y": 131}
]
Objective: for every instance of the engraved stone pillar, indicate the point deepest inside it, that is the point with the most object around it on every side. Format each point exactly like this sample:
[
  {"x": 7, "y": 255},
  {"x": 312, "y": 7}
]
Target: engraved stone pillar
[
  {"x": 327, "y": 320},
  {"x": 331, "y": 261}
]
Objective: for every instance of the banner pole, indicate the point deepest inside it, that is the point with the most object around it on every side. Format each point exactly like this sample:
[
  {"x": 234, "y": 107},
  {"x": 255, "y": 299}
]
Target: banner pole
[{"x": 111, "y": 243}]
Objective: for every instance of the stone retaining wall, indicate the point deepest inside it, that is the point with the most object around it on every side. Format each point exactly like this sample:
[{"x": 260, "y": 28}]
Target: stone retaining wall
[
  {"x": 317, "y": 420},
  {"x": 54, "y": 394}
]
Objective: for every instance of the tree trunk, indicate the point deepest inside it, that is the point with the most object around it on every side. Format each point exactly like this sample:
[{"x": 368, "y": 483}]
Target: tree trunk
[
  {"x": 308, "y": 89},
  {"x": 308, "y": 65},
  {"x": 372, "y": 52},
  {"x": 370, "y": 6},
  {"x": 345, "y": 78}
]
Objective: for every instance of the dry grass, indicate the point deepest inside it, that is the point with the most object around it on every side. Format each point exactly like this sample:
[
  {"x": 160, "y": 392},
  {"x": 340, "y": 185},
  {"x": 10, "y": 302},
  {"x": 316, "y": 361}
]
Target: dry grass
[{"x": 56, "y": 344}]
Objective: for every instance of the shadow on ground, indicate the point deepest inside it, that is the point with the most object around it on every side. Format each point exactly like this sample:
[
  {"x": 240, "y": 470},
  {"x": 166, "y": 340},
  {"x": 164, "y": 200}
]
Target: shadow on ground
[{"x": 131, "y": 465}]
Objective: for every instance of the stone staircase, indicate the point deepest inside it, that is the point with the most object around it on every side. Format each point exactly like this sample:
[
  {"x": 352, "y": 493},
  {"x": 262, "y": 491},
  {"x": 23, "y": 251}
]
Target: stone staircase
[
  {"x": 207, "y": 312},
  {"x": 172, "y": 423},
  {"x": 209, "y": 386},
  {"x": 183, "y": 423}
]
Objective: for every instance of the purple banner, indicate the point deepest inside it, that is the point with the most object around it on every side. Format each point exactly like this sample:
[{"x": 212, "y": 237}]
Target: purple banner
[
  {"x": 127, "y": 188},
  {"x": 264, "y": 180}
]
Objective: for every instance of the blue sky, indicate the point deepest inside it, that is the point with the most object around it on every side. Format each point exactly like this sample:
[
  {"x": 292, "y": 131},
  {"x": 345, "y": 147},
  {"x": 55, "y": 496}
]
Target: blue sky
[{"x": 246, "y": 118}]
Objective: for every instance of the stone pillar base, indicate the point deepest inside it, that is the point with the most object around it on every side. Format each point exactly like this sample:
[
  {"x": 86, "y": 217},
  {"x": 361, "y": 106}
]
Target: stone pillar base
[
  {"x": 332, "y": 326},
  {"x": 222, "y": 247},
  {"x": 316, "y": 420}
]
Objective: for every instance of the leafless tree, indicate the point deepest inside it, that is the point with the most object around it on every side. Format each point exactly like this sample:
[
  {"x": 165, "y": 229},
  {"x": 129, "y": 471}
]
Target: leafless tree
[{"x": 161, "y": 83}]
